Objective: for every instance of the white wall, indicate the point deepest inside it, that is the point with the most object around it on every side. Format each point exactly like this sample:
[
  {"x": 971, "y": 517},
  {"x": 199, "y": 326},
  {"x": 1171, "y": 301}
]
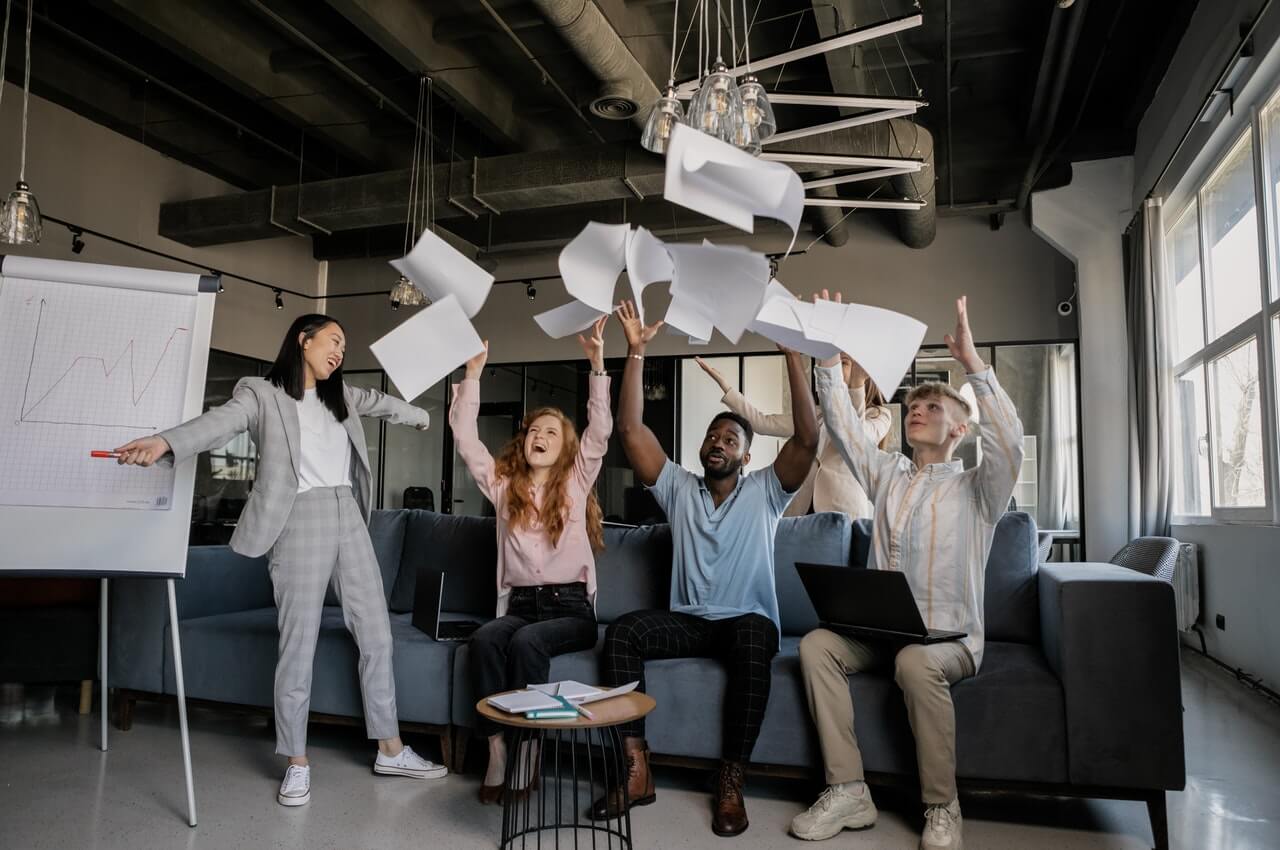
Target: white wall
[
  {"x": 84, "y": 173},
  {"x": 1085, "y": 221},
  {"x": 1014, "y": 282}
]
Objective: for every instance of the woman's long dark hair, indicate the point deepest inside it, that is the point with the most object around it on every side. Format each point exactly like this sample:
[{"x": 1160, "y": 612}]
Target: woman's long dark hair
[{"x": 289, "y": 372}]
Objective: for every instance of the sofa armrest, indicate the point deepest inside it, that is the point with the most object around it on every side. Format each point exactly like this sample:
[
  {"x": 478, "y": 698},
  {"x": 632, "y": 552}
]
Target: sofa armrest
[
  {"x": 218, "y": 581},
  {"x": 136, "y": 621},
  {"x": 1111, "y": 636}
]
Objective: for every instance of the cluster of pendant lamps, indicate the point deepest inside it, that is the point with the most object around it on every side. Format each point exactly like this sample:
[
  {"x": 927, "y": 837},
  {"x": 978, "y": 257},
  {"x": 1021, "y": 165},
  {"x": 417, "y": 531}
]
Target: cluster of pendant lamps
[
  {"x": 20, "y": 222},
  {"x": 737, "y": 113}
]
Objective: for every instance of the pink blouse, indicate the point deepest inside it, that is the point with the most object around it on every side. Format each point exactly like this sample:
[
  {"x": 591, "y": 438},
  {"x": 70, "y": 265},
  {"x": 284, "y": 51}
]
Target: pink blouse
[{"x": 526, "y": 556}]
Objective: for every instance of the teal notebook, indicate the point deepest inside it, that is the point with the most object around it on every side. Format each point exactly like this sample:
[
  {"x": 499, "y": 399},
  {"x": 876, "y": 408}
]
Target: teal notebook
[{"x": 566, "y": 711}]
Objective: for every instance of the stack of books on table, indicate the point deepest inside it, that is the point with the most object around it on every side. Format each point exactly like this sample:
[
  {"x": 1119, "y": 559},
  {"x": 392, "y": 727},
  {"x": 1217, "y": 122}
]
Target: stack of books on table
[{"x": 555, "y": 700}]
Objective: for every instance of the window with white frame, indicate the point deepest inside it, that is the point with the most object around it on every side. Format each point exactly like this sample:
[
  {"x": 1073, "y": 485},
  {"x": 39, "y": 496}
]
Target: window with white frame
[{"x": 1223, "y": 323}]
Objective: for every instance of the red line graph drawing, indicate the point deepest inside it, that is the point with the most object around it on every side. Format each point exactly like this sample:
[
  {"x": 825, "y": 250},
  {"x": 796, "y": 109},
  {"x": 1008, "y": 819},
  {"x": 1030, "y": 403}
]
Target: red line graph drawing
[{"x": 135, "y": 394}]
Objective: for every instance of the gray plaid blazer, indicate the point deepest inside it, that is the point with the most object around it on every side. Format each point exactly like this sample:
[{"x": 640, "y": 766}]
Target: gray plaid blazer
[{"x": 270, "y": 416}]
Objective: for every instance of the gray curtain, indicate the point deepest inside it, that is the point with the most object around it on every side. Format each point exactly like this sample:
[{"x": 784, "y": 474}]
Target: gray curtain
[{"x": 1149, "y": 422}]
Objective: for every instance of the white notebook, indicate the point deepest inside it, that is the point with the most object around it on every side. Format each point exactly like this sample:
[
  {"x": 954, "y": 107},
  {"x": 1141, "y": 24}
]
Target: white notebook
[{"x": 538, "y": 697}]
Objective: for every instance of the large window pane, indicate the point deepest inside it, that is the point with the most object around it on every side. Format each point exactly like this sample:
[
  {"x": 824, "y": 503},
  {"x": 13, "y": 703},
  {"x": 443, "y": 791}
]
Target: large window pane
[
  {"x": 224, "y": 475},
  {"x": 764, "y": 383},
  {"x": 1231, "y": 230},
  {"x": 1271, "y": 140},
  {"x": 1191, "y": 445},
  {"x": 372, "y": 430},
  {"x": 414, "y": 458},
  {"x": 1237, "y": 422},
  {"x": 1182, "y": 260}
]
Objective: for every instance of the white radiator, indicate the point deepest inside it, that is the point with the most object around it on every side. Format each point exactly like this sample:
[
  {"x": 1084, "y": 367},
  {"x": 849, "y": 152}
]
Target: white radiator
[{"x": 1186, "y": 586}]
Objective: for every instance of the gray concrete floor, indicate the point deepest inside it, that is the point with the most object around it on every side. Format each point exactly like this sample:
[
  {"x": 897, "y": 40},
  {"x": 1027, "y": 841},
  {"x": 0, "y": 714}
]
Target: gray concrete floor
[{"x": 58, "y": 791}]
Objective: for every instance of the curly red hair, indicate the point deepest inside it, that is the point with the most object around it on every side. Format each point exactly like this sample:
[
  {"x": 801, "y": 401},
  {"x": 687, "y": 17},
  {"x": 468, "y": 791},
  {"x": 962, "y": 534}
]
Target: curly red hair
[{"x": 512, "y": 465}]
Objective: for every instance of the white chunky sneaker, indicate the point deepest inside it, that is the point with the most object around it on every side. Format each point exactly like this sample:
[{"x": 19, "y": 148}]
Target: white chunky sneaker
[
  {"x": 835, "y": 810},
  {"x": 295, "y": 789},
  {"x": 942, "y": 828},
  {"x": 408, "y": 763}
]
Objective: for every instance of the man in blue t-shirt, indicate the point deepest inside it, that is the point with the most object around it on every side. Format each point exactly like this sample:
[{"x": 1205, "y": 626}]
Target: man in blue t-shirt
[{"x": 723, "y": 601}]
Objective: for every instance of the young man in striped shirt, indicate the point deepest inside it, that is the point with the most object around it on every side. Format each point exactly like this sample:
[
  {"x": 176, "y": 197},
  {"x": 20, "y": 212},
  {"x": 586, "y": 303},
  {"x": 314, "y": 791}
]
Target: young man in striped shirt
[{"x": 934, "y": 521}]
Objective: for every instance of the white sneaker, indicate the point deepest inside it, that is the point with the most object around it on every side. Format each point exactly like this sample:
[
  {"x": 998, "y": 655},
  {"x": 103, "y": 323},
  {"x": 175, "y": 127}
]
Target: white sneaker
[
  {"x": 942, "y": 828},
  {"x": 408, "y": 763},
  {"x": 295, "y": 790},
  {"x": 834, "y": 811}
]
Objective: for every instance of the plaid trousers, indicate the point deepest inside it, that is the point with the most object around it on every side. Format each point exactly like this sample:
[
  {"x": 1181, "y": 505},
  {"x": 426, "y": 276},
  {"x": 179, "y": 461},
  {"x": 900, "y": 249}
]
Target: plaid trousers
[
  {"x": 746, "y": 645},
  {"x": 326, "y": 536}
]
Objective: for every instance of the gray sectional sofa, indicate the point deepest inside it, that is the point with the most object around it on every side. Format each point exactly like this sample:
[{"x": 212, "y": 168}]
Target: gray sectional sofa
[{"x": 1079, "y": 692}]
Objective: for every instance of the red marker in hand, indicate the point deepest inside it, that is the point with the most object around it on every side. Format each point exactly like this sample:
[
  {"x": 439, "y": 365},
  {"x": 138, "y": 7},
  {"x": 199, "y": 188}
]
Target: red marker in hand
[{"x": 104, "y": 454}]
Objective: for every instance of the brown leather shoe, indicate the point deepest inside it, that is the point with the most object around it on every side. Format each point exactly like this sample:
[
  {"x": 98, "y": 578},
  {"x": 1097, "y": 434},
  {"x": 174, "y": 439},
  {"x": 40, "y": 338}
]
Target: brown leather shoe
[
  {"x": 490, "y": 795},
  {"x": 730, "y": 811},
  {"x": 639, "y": 787}
]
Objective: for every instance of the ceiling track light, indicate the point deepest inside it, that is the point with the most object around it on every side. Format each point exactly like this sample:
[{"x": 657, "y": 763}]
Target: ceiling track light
[
  {"x": 77, "y": 244},
  {"x": 530, "y": 290},
  {"x": 279, "y": 300}
]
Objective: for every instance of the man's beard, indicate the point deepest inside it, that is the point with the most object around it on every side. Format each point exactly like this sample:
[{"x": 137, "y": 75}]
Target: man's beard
[{"x": 730, "y": 469}]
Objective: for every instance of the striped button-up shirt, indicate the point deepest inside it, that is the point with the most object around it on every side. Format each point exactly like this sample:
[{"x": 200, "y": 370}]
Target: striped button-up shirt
[{"x": 935, "y": 524}]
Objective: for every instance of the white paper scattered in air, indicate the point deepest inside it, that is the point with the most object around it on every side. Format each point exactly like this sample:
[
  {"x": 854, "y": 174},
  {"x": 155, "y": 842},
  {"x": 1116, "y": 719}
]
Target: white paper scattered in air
[
  {"x": 440, "y": 270},
  {"x": 684, "y": 315},
  {"x": 777, "y": 321},
  {"x": 725, "y": 283},
  {"x": 567, "y": 319},
  {"x": 647, "y": 262},
  {"x": 716, "y": 179},
  {"x": 426, "y": 348},
  {"x": 591, "y": 263}
]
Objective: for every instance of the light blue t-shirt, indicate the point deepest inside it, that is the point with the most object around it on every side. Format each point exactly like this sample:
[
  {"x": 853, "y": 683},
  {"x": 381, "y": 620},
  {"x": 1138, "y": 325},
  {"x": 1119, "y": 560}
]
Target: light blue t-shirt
[{"x": 723, "y": 556}]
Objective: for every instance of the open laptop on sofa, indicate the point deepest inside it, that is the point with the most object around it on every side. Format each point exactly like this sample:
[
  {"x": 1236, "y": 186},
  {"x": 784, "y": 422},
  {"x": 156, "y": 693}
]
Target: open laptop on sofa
[
  {"x": 428, "y": 597},
  {"x": 863, "y": 603}
]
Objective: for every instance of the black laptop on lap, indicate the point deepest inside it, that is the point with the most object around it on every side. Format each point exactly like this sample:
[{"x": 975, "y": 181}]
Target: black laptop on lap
[
  {"x": 864, "y": 603},
  {"x": 427, "y": 599}
]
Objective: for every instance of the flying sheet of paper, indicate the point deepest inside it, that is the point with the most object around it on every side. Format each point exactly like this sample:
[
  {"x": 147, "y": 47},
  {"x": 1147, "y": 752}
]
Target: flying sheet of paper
[
  {"x": 685, "y": 316},
  {"x": 647, "y": 262},
  {"x": 727, "y": 284},
  {"x": 567, "y": 319},
  {"x": 440, "y": 270},
  {"x": 427, "y": 347},
  {"x": 716, "y": 179},
  {"x": 591, "y": 263},
  {"x": 883, "y": 342},
  {"x": 777, "y": 321}
]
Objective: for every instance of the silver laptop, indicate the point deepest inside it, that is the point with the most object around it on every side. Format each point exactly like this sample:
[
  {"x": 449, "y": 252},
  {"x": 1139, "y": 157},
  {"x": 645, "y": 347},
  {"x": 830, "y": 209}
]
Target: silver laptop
[{"x": 428, "y": 597}]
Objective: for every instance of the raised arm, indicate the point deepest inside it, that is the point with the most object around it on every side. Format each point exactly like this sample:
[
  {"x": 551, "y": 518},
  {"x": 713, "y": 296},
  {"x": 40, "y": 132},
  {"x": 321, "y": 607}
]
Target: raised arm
[
  {"x": 642, "y": 447},
  {"x": 212, "y": 429},
  {"x": 876, "y": 421},
  {"x": 379, "y": 405},
  {"x": 766, "y": 424},
  {"x": 796, "y": 455},
  {"x": 595, "y": 437},
  {"x": 466, "y": 436},
  {"x": 1000, "y": 429}
]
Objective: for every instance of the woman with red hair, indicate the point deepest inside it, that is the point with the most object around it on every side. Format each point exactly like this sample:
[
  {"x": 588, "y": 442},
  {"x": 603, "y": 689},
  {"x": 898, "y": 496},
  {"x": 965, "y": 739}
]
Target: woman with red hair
[{"x": 542, "y": 486}]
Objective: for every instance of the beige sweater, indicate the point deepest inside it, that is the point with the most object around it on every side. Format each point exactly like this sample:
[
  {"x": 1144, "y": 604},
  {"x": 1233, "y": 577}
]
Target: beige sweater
[{"x": 830, "y": 485}]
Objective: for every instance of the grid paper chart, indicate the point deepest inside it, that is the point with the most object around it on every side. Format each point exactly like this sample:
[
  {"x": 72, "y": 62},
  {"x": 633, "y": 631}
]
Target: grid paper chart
[{"x": 85, "y": 368}]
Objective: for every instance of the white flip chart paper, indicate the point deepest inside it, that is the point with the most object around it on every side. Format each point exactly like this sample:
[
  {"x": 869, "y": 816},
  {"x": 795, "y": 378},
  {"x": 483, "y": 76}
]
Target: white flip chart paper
[
  {"x": 686, "y": 316},
  {"x": 716, "y": 179},
  {"x": 440, "y": 270},
  {"x": 647, "y": 262},
  {"x": 574, "y": 317},
  {"x": 591, "y": 263},
  {"x": 427, "y": 347},
  {"x": 726, "y": 283}
]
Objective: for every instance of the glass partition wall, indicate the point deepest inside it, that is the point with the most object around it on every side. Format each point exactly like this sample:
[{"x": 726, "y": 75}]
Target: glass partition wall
[{"x": 421, "y": 469}]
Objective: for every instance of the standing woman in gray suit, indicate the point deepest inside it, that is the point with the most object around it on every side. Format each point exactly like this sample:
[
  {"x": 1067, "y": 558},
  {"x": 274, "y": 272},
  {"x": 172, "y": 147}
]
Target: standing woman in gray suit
[{"x": 309, "y": 508}]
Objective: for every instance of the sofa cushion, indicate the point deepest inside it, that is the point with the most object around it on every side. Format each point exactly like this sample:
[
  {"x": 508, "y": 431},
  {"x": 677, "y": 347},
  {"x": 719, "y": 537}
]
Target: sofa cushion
[
  {"x": 860, "y": 546},
  {"x": 386, "y": 531},
  {"x": 1012, "y": 604},
  {"x": 1011, "y": 718},
  {"x": 465, "y": 547},
  {"x": 634, "y": 570},
  {"x": 814, "y": 539},
  {"x": 232, "y": 657}
]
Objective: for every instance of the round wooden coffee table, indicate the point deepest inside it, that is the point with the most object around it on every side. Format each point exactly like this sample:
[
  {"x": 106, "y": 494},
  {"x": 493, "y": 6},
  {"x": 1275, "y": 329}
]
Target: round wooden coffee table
[{"x": 601, "y": 766}]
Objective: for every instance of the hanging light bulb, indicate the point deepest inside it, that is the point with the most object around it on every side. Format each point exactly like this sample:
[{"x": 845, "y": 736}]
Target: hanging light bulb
[
  {"x": 717, "y": 107},
  {"x": 20, "y": 221},
  {"x": 745, "y": 137},
  {"x": 756, "y": 109},
  {"x": 663, "y": 118},
  {"x": 404, "y": 292}
]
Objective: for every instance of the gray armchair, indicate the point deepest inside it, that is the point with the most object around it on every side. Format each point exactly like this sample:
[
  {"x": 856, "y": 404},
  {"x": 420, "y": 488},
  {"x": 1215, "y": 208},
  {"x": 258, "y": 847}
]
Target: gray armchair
[{"x": 1154, "y": 556}]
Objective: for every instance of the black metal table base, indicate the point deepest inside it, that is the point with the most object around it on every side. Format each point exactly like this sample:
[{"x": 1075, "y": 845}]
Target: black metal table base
[{"x": 550, "y": 812}]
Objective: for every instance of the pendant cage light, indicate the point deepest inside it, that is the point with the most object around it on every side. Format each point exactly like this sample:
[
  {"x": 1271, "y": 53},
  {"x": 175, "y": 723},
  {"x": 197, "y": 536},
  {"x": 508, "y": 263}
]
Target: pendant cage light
[
  {"x": 667, "y": 111},
  {"x": 20, "y": 220}
]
